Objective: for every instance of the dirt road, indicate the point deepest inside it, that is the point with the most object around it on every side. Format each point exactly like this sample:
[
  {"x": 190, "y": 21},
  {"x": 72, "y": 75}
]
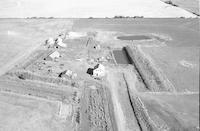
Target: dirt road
[{"x": 123, "y": 111}]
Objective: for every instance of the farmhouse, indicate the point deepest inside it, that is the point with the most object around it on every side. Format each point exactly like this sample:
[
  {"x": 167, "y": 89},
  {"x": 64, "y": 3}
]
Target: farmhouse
[
  {"x": 68, "y": 73},
  {"x": 60, "y": 43},
  {"x": 53, "y": 56},
  {"x": 97, "y": 47},
  {"x": 50, "y": 42},
  {"x": 99, "y": 70}
]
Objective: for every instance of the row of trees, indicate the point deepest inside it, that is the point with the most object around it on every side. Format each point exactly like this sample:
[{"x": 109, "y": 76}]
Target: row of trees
[
  {"x": 120, "y": 17},
  {"x": 40, "y": 17},
  {"x": 115, "y": 17}
]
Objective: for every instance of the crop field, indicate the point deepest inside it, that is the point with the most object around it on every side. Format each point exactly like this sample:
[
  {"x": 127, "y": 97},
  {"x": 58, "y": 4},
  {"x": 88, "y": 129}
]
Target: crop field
[
  {"x": 192, "y": 6},
  {"x": 179, "y": 64},
  {"x": 168, "y": 109},
  {"x": 29, "y": 113},
  {"x": 150, "y": 81}
]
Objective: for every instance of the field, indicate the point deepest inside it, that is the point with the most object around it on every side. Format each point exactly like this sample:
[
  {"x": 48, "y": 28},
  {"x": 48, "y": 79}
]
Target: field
[
  {"x": 151, "y": 82},
  {"x": 97, "y": 9},
  {"x": 179, "y": 64},
  {"x": 192, "y": 6},
  {"x": 29, "y": 113},
  {"x": 168, "y": 110},
  {"x": 19, "y": 37}
]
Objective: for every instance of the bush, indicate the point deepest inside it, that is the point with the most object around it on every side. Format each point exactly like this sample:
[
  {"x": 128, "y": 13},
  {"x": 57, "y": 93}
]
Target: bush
[{"x": 119, "y": 16}]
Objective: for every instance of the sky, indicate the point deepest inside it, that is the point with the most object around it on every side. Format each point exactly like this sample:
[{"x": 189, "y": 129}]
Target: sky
[{"x": 88, "y": 8}]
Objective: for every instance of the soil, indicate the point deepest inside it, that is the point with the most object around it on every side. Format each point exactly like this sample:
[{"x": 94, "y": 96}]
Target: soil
[{"x": 121, "y": 57}]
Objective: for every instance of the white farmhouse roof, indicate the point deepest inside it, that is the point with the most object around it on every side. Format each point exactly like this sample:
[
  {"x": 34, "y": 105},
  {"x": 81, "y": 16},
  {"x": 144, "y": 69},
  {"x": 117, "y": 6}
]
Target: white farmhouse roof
[
  {"x": 74, "y": 35},
  {"x": 50, "y": 41},
  {"x": 54, "y": 55},
  {"x": 60, "y": 42},
  {"x": 99, "y": 70}
]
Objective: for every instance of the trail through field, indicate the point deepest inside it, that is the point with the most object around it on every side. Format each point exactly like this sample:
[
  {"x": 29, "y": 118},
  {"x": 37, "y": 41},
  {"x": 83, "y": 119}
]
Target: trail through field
[
  {"x": 119, "y": 116},
  {"x": 124, "y": 115}
]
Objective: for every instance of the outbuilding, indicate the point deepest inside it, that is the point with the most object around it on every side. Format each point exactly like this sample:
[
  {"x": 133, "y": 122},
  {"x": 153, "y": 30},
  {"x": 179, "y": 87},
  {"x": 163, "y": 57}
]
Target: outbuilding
[
  {"x": 50, "y": 42},
  {"x": 59, "y": 42},
  {"x": 53, "y": 56},
  {"x": 68, "y": 73},
  {"x": 97, "y": 72}
]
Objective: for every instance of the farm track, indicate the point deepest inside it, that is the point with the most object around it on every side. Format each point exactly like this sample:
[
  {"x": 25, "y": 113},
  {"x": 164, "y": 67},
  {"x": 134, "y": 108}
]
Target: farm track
[{"x": 139, "y": 110}]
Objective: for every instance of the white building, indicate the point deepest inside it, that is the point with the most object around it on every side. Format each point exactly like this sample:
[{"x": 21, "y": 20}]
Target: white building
[
  {"x": 99, "y": 71},
  {"x": 50, "y": 42},
  {"x": 53, "y": 56},
  {"x": 59, "y": 42}
]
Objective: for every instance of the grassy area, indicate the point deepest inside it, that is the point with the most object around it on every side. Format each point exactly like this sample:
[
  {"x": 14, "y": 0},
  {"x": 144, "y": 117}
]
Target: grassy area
[
  {"x": 170, "y": 60},
  {"x": 30, "y": 114},
  {"x": 19, "y": 37}
]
